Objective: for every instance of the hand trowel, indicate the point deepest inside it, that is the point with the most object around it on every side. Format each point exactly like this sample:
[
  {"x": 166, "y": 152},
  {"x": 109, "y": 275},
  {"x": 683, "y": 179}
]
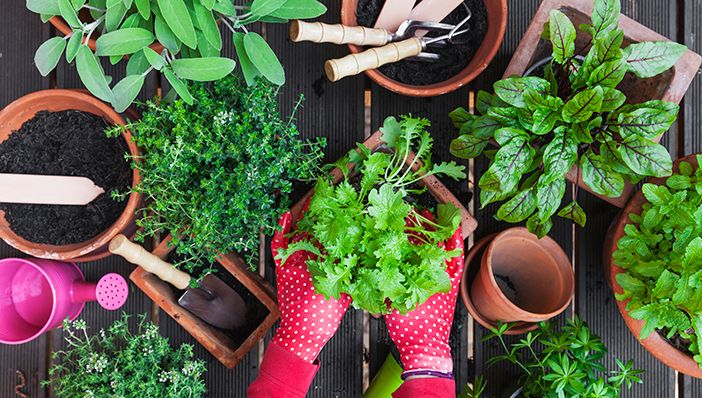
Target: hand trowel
[
  {"x": 47, "y": 190},
  {"x": 213, "y": 301}
]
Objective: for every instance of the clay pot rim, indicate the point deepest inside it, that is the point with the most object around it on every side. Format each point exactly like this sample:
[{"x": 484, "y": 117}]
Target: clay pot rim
[
  {"x": 478, "y": 249},
  {"x": 474, "y": 68},
  {"x": 61, "y": 25},
  {"x": 552, "y": 249},
  {"x": 655, "y": 343},
  {"x": 87, "y": 248}
]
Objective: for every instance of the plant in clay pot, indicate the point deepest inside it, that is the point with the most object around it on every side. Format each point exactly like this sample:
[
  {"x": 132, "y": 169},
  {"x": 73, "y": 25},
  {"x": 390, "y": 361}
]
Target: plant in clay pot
[
  {"x": 125, "y": 362},
  {"x": 379, "y": 231},
  {"x": 218, "y": 172},
  {"x": 573, "y": 114},
  {"x": 188, "y": 34},
  {"x": 567, "y": 361}
]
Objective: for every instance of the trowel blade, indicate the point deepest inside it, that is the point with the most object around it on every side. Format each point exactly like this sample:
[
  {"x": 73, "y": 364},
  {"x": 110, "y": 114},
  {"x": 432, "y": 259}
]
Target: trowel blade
[{"x": 215, "y": 303}]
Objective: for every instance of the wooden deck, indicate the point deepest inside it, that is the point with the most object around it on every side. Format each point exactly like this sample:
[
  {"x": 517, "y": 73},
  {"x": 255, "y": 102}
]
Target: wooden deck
[{"x": 345, "y": 113}]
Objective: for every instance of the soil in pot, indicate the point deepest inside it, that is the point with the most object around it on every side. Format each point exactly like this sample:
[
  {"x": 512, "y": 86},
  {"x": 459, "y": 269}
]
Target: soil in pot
[
  {"x": 67, "y": 143},
  {"x": 454, "y": 58},
  {"x": 505, "y": 284}
]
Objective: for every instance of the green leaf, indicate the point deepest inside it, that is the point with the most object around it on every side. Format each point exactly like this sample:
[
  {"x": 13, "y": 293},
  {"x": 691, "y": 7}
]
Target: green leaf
[
  {"x": 114, "y": 15},
  {"x": 208, "y": 25},
  {"x": 609, "y": 74},
  {"x": 92, "y": 75},
  {"x": 545, "y": 120},
  {"x": 562, "y": 35},
  {"x": 649, "y": 59},
  {"x": 605, "y": 16},
  {"x": 612, "y": 99},
  {"x": 73, "y": 45},
  {"x": 178, "y": 85},
  {"x": 69, "y": 14},
  {"x": 511, "y": 161},
  {"x": 581, "y": 107},
  {"x": 581, "y": 133},
  {"x": 144, "y": 8},
  {"x": 46, "y": 7},
  {"x": 209, "y": 4},
  {"x": 519, "y": 208},
  {"x": 645, "y": 122},
  {"x": 468, "y": 146},
  {"x": 460, "y": 116},
  {"x": 574, "y": 212},
  {"x": 549, "y": 195},
  {"x": 203, "y": 69},
  {"x": 560, "y": 154},
  {"x": 165, "y": 36},
  {"x": 506, "y": 134},
  {"x": 449, "y": 169},
  {"x": 630, "y": 283},
  {"x": 484, "y": 127},
  {"x": 123, "y": 42},
  {"x": 263, "y": 58},
  {"x": 138, "y": 64},
  {"x": 48, "y": 55},
  {"x": 176, "y": 15},
  {"x": 599, "y": 176},
  {"x": 483, "y": 101},
  {"x": 225, "y": 7},
  {"x": 646, "y": 158},
  {"x": 299, "y": 9},
  {"x": 247, "y": 67},
  {"x": 126, "y": 90},
  {"x": 538, "y": 227},
  {"x": 511, "y": 90},
  {"x": 154, "y": 58},
  {"x": 388, "y": 208},
  {"x": 265, "y": 7}
]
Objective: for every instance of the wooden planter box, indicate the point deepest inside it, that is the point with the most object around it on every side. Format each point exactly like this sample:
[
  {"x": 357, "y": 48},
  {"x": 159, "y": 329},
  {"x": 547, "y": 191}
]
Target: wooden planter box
[
  {"x": 435, "y": 187},
  {"x": 669, "y": 86},
  {"x": 214, "y": 340}
]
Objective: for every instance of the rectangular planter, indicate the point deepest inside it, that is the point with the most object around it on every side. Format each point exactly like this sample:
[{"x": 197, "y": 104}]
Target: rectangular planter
[
  {"x": 669, "y": 86},
  {"x": 214, "y": 340},
  {"x": 434, "y": 186}
]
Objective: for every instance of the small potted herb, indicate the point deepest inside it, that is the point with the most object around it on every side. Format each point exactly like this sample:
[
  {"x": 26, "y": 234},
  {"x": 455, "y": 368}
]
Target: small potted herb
[
  {"x": 179, "y": 38},
  {"x": 219, "y": 171},
  {"x": 654, "y": 253},
  {"x": 124, "y": 362},
  {"x": 571, "y": 113},
  {"x": 380, "y": 221},
  {"x": 560, "y": 362}
]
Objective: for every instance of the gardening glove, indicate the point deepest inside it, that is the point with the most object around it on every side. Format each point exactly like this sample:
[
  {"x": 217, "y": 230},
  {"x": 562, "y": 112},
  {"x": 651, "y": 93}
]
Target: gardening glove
[
  {"x": 307, "y": 319},
  {"x": 422, "y": 335}
]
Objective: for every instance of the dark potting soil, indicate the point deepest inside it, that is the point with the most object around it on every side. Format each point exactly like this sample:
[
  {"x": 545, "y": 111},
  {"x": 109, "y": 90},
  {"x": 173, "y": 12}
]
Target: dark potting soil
[
  {"x": 681, "y": 344},
  {"x": 507, "y": 287},
  {"x": 67, "y": 143},
  {"x": 454, "y": 58}
]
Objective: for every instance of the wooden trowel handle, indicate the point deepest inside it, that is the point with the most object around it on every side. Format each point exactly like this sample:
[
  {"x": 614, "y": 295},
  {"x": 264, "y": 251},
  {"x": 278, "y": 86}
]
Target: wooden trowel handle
[
  {"x": 319, "y": 32},
  {"x": 137, "y": 255},
  {"x": 354, "y": 64}
]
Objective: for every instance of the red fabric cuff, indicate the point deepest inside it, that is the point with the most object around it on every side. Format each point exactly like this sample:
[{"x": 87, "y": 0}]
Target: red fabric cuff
[
  {"x": 426, "y": 388},
  {"x": 282, "y": 374}
]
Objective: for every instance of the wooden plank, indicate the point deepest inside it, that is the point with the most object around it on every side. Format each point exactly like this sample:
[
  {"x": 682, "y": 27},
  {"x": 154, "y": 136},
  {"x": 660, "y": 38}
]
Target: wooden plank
[{"x": 20, "y": 36}]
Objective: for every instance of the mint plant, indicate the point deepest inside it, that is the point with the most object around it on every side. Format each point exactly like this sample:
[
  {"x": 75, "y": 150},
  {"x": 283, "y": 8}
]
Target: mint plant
[
  {"x": 571, "y": 115},
  {"x": 661, "y": 253},
  {"x": 188, "y": 30},
  {"x": 378, "y": 247},
  {"x": 563, "y": 362},
  {"x": 217, "y": 173},
  {"x": 124, "y": 362}
]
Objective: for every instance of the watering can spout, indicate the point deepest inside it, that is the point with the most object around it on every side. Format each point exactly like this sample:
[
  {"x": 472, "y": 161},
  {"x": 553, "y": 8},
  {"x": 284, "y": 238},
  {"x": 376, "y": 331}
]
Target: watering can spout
[{"x": 110, "y": 292}]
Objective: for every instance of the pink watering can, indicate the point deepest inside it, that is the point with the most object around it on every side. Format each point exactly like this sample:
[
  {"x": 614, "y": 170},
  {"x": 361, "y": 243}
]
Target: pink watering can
[{"x": 37, "y": 295}]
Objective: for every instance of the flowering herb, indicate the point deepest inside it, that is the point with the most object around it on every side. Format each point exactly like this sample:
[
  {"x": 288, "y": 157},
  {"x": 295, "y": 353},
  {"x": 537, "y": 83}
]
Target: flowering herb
[
  {"x": 379, "y": 248},
  {"x": 120, "y": 363}
]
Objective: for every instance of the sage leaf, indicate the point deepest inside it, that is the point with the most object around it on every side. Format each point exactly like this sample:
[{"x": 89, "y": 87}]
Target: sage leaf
[
  {"x": 208, "y": 25},
  {"x": 649, "y": 59},
  {"x": 48, "y": 55},
  {"x": 263, "y": 58},
  {"x": 123, "y": 41},
  {"x": 612, "y": 99},
  {"x": 203, "y": 69},
  {"x": 165, "y": 35},
  {"x": 179, "y": 86},
  {"x": 225, "y": 7},
  {"x": 68, "y": 13},
  {"x": 605, "y": 16},
  {"x": 599, "y": 176},
  {"x": 144, "y": 8},
  {"x": 560, "y": 154},
  {"x": 511, "y": 90},
  {"x": 645, "y": 122},
  {"x": 519, "y": 208},
  {"x": 204, "y": 48},
  {"x": 581, "y": 107},
  {"x": 511, "y": 161},
  {"x": 247, "y": 67},
  {"x": 154, "y": 58},
  {"x": 73, "y": 45},
  {"x": 92, "y": 75},
  {"x": 46, "y": 7},
  {"x": 574, "y": 212},
  {"x": 299, "y": 9},
  {"x": 265, "y": 7},
  {"x": 609, "y": 74},
  {"x": 548, "y": 196},
  {"x": 562, "y": 35},
  {"x": 176, "y": 15},
  {"x": 645, "y": 157},
  {"x": 468, "y": 146},
  {"x": 126, "y": 90},
  {"x": 114, "y": 15},
  {"x": 137, "y": 63}
]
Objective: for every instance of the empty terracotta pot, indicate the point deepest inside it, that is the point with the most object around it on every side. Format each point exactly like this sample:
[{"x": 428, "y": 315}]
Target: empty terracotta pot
[
  {"x": 522, "y": 278},
  {"x": 497, "y": 23},
  {"x": 13, "y": 117}
]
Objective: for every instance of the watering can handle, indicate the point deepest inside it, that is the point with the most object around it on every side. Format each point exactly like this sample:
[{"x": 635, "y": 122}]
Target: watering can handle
[
  {"x": 374, "y": 58},
  {"x": 137, "y": 255},
  {"x": 319, "y": 32}
]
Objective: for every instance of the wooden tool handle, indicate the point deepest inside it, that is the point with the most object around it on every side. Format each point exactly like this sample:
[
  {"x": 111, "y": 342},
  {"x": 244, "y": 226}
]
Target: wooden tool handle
[
  {"x": 137, "y": 255},
  {"x": 338, "y": 34},
  {"x": 354, "y": 64}
]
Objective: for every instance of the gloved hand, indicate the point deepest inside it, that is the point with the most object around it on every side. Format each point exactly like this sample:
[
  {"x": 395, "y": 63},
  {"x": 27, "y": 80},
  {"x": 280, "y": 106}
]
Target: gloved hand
[
  {"x": 307, "y": 319},
  {"x": 422, "y": 335}
]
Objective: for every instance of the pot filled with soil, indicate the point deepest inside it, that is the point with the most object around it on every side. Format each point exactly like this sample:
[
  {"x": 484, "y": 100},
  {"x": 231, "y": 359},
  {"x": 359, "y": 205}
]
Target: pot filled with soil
[
  {"x": 522, "y": 278},
  {"x": 458, "y": 64},
  {"x": 650, "y": 246},
  {"x": 62, "y": 132},
  {"x": 228, "y": 346}
]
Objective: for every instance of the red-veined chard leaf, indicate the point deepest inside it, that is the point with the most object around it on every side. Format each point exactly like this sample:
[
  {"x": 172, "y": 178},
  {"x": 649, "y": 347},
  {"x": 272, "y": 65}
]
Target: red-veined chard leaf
[
  {"x": 645, "y": 157},
  {"x": 519, "y": 208},
  {"x": 560, "y": 154},
  {"x": 581, "y": 107},
  {"x": 562, "y": 35},
  {"x": 511, "y": 90},
  {"x": 599, "y": 176},
  {"x": 649, "y": 59},
  {"x": 645, "y": 122}
]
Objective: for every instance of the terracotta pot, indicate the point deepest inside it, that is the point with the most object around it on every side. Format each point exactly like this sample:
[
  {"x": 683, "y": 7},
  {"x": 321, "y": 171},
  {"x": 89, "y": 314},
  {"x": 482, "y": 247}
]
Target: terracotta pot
[
  {"x": 23, "y": 109},
  {"x": 61, "y": 25},
  {"x": 655, "y": 343},
  {"x": 497, "y": 23},
  {"x": 537, "y": 270},
  {"x": 669, "y": 86},
  {"x": 214, "y": 340},
  {"x": 470, "y": 272}
]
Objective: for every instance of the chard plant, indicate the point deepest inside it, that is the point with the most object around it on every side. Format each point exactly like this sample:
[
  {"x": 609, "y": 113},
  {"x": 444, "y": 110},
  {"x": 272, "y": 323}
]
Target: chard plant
[
  {"x": 661, "y": 253},
  {"x": 187, "y": 30},
  {"x": 217, "y": 173},
  {"x": 572, "y": 115},
  {"x": 378, "y": 247}
]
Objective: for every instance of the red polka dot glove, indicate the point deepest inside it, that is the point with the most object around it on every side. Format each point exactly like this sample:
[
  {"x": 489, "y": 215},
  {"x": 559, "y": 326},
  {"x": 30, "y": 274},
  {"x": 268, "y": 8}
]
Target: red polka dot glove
[
  {"x": 307, "y": 319},
  {"x": 422, "y": 335}
]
